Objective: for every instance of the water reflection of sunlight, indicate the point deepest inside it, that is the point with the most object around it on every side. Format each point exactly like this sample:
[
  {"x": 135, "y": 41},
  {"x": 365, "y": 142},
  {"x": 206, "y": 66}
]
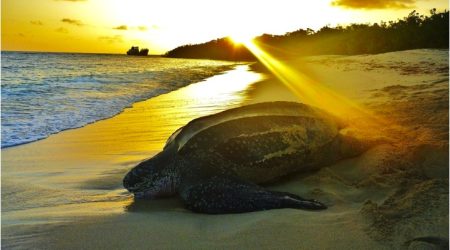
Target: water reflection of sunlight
[{"x": 225, "y": 90}]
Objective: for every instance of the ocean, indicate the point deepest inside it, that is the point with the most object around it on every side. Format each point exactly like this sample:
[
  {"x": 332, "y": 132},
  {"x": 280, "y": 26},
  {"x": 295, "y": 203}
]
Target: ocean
[{"x": 45, "y": 93}]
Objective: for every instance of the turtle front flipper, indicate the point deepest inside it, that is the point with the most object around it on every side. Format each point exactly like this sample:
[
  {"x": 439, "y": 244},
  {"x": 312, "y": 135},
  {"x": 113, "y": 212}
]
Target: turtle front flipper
[{"x": 222, "y": 194}]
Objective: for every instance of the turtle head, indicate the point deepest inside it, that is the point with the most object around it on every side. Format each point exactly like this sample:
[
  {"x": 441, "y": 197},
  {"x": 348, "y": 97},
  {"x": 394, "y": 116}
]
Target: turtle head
[{"x": 153, "y": 178}]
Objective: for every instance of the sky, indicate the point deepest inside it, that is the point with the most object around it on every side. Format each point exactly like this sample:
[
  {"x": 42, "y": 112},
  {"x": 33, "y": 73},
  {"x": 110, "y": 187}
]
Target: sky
[{"x": 112, "y": 26}]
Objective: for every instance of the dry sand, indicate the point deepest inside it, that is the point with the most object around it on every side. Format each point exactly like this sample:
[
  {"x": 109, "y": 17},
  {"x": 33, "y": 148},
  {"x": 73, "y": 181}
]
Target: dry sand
[{"x": 393, "y": 196}]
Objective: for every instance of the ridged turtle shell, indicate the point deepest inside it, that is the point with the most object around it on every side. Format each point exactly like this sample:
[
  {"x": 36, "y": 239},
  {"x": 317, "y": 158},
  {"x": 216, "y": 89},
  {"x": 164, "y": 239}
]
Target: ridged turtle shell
[{"x": 260, "y": 142}]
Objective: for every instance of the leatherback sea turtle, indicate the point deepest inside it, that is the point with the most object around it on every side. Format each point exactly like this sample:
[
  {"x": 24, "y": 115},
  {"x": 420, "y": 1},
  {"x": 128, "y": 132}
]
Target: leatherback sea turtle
[{"x": 215, "y": 162}]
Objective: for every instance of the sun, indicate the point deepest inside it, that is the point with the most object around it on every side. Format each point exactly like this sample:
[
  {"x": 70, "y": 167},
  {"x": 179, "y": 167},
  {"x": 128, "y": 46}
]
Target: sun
[{"x": 241, "y": 39}]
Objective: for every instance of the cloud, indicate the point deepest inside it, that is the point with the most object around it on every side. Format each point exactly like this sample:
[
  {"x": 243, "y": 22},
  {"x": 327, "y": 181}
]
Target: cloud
[
  {"x": 375, "y": 4},
  {"x": 139, "y": 28},
  {"x": 142, "y": 28},
  {"x": 62, "y": 30},
  {"x": 37, "y": 22},
  {"x": 111, "y": 39},
  {"x": 121, "y": 27},
  {"x": 71, "y": 0},
  {"x": 72, "y": 21}
]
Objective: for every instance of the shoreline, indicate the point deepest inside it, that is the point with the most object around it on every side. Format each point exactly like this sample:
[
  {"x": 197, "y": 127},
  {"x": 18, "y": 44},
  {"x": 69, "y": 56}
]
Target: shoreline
[
  {"x": 117, "y": 108},
  {"x": 367, "y": 195}
]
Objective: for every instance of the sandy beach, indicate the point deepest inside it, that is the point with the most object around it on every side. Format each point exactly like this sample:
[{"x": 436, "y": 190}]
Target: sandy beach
[{"x": 65, "y": 191}]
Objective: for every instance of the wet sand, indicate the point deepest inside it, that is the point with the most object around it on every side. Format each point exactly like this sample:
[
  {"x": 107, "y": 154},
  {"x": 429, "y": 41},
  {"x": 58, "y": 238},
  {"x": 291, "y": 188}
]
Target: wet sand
[{"x": 65, "y": 192}]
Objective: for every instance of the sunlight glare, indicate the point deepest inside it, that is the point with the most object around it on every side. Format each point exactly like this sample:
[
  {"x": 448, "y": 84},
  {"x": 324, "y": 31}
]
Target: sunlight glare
[
  {"x": 241, "y": 39},
  {"x": 308, "y": 90}
]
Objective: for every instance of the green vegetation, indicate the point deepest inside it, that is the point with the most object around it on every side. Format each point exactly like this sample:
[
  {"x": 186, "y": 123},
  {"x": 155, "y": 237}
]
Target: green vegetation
[
  {"x": 412, "y": 32},
  {"x": 220, "y": 49}
]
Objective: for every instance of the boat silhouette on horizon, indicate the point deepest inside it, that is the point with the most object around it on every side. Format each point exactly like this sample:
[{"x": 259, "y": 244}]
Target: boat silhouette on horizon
[{"x": 134, "y": 51}]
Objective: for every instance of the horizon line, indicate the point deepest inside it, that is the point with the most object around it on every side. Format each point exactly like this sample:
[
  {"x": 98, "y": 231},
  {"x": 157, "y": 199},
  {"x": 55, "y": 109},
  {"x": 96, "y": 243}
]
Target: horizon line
[{"x": 70, "y": 52}]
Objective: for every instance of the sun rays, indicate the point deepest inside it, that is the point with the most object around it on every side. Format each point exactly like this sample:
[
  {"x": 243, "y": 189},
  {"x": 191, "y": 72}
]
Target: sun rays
[{"x": 304, "y": 87}]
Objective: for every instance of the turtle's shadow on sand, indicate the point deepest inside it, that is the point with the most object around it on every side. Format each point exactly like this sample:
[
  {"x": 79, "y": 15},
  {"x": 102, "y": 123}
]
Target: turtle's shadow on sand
[{"x": 160, "y": 205}]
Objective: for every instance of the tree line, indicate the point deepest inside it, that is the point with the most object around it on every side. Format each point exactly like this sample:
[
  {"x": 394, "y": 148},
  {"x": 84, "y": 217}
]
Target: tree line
[{"x": 411, "y": 32}]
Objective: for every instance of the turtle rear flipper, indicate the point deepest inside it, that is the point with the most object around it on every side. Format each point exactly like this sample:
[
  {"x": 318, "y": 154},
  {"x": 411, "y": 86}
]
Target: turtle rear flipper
[{"x": 220, "y": 194}]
